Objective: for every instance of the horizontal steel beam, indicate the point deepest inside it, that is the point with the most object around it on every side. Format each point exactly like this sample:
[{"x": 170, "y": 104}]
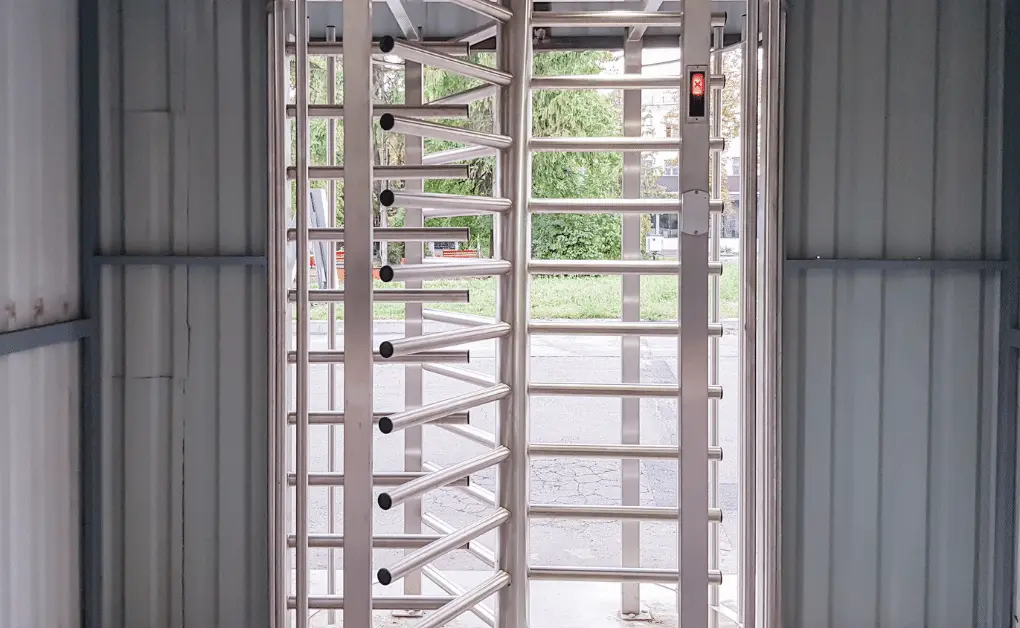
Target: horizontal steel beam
[
  {"x": 45, "y": 335},
  {"x": 443, "y": 112},
  {"x": 381, "y": 603}
]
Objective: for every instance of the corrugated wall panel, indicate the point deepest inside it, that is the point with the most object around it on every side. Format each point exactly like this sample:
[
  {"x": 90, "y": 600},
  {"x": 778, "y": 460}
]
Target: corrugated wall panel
[
  {"x": 39, "y": 275},
  {"x": 185, "y": 347},
  {"x": 890, "y": 377}
]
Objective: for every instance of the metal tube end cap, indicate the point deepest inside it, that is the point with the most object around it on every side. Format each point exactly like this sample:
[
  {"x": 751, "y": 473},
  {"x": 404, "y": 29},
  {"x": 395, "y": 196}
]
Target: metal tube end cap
[
  {"x": 386, "y": 44},
  {"x": 385, "y": 425},
  {"x": 386, "y": 273},
  {"x": 386, "y": 349},
  {"x": 386, "y": 121},
  {"x": 386, "y": 197},
  {"x": 384, "y": 576},
  {"x": 385, "y": 502}
]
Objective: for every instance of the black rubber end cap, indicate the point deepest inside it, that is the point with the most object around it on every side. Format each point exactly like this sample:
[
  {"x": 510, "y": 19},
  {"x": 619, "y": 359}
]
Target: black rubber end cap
[
  {"x": 386, "y": 349},
  {"x": 386, "y": 197},
  {"x": 386, "y": 425},
  {"x": 386, "y": 121},
  {"x": 386, "y": 273},
  {"x": 384, "y": 577},
  {"x": 386, "y": 44},
  {"x": 385, "y": 502}
]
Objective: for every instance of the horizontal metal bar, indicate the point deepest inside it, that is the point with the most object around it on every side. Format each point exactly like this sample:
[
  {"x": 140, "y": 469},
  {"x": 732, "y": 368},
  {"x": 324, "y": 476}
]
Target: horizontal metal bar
[
  {"x": 470, "y": 377},
  {"x": 610, "y": 19},
  {"x": 448, "y": 543},
  {"x": 611, "y": 205},
  {"x": 486, "y": 8},
  {"x": 444, "y": 270},
  {"x": 480, "y": 611},
  {"x": 45, "y": 335},
  {"x": 454, "y": 318},
  {"x": 384, "y": 541},
  {"x": 618, "y": 81},
  {"x": 382, "y": 603},
  {"x": 416, "y": 344},
  {"x": 976, "y": 265},
  {"x": 434, "y": 200},
  {"x": 442, "y": 112},
  {"x": 613, "y": 574},
  {"x": 468, "y": 96},
  {"x": 397, "y": 295},
  {"x": 388, "y": 478},
  {"x": 410, "y": 126},
  {"x": 636, "y": 513},
  {"x": 471, "y": 598},
  {"x": 442, "y": 477},
  {"x": 180, "y": 260},
  {"x": 614, "y": 390},
  {"x": 336, "y": 417},
  {"x": 614, "y": 328},
  {"x": 471, "y": 433},
  {"x": 429, "y": 57},
  {"x": 432, "y": 411},
  {"x": 394, "y": 173},
  {"x": 660, "y": 452},
  {"x": 614, "y": 144},
  {"x": 611, "y": 267},
  {"x": 319, "y": 48},
  {"x": 458, "y": 154},
  {"x": 337, "y": 357},
  {"x": 391, "y": 234},
  {"x": 475, "y": 548},
  {"x": 483, "y": 495}
]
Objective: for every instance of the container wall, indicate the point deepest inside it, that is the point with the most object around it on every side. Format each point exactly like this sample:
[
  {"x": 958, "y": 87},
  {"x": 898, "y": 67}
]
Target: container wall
[
  {"x": 184, "y": 347},
  {"x": 892, "y": 122},
  {"x": 39, "y": 277}
]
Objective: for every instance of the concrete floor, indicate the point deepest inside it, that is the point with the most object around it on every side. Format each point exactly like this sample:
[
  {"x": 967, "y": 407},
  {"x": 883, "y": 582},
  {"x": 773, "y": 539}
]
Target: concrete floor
[{"x": 553, "y": 480}]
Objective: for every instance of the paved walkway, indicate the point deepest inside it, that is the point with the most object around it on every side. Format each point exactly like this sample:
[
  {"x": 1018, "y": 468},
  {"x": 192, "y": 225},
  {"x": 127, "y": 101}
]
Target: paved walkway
[{"x": 553, "y": 480}]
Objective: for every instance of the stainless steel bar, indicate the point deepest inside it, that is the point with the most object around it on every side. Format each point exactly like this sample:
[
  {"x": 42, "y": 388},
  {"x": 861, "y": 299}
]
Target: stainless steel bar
[
  {"x": 467, "y": 601},
  {"x": 301, "y": 352},
  {"x": 318, "y": 48},
  {"x": 467, "y": 96},
  {"x": 636, "y": 513},
  {"x": 615, "y": 390},
  {"x": 629, "y": 80},
  {"x": 391, "y": 234},
  {"x": 429, "y": 57},
  {"x": 454, "y": 155},
  {"x": 338, "y": 357},
  {"x": 392, "y": 173},
  {"x": 396, "y": 295},
  {"x": 633, "y": 451},
  {"x": 385, "y": 541},
  {"x": 467, "y": 320},
  {"x": 471, "y": 433},
  {"x": 485, "y": 496},
  {"x": 475, "y": 548},
  {"x": 331, "y": 284},
  {"x": 443, "y": 201},
  {"x": 387, "y": 478},
  {"x": 485, "y": 7},
  {"x": 449, "y": 542},
  {"x": 613, "y": 574},
  {"x": 479, "y": 35},
  {"x": 692, "y": 344},
  {"x": 481, "y": 612},
  {"x": 748, "y": 299},
  {"x": 443, "y": 477},
  {"x": 595, "y": 19},
  {"x": 715, "y": 111},
  {"x": 470, "y": 377},
  {"x": 444, "y": 112},
  {"x": 419, "y": 128},
  {"x": 613, "y": 144},
  {"x": 336, "y": 417},
  {"x": 610, "y": 267},
  {"x": 614, "y": 328},
  {"x": 610, "y": 205},
  {"x": 444, "y": 270},
  {"x": 448, "y": 213},
  {"x": 403, "y": 347},
  {"x": 430, "y": 412},
  {"x": 382, "y": 603}
]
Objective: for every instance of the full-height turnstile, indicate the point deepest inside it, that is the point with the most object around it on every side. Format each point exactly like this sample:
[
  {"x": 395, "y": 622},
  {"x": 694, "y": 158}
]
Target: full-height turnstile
[{"x": 510, "y": 448}]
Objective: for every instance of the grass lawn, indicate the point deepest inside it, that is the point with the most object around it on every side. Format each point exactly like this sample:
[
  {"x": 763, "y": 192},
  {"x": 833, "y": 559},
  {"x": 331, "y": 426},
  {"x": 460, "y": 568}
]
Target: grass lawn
[{"x": 565, "y": 297}]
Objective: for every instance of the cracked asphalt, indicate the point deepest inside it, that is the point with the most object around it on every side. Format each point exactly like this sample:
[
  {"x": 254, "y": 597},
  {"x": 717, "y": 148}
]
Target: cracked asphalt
[{"x": 553, "y": 480}]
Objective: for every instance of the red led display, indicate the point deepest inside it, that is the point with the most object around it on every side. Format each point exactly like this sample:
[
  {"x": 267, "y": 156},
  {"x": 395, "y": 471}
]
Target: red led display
[{"x": 697, "y": 84}]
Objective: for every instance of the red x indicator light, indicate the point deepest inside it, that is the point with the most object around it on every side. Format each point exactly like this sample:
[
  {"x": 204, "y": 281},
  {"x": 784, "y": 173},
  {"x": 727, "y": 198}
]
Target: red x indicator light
[{"x": 697, "y": 84}]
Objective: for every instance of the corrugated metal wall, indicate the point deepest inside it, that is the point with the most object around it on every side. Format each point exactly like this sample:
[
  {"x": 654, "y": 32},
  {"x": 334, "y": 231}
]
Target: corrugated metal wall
[
  {"x": 892, "y": 151},
  {"x": 184, "y": 347},
  {"x": 39, "y": 255}
]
